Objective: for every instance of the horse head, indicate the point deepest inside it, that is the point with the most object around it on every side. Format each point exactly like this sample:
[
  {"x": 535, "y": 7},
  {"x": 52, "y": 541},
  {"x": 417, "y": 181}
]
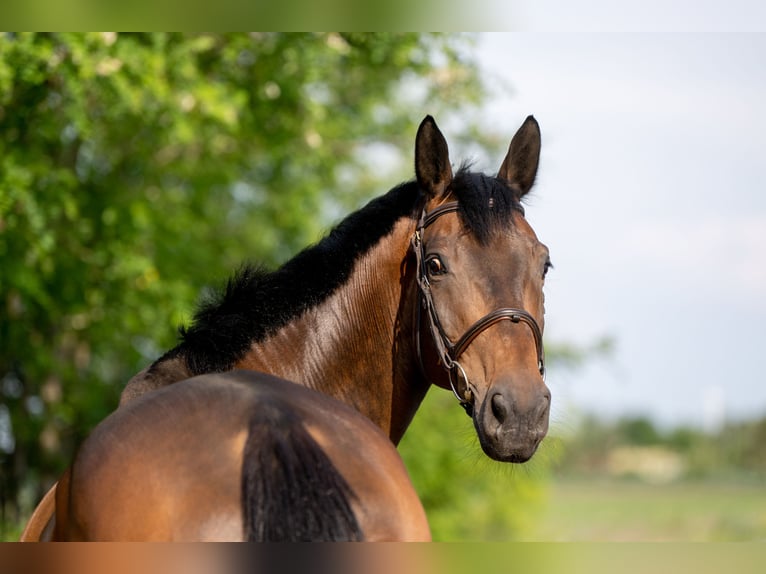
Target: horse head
[{"x": 480, "y": 273}]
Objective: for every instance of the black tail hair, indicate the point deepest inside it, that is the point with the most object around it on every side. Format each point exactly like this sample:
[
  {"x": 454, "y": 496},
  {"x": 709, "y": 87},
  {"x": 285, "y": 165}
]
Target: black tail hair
[{"x": 291, "y": 492}]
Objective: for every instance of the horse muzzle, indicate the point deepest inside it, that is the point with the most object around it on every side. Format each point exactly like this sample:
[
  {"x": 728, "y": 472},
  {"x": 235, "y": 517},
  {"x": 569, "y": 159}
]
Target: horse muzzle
[{"x": 511, "y": 422}]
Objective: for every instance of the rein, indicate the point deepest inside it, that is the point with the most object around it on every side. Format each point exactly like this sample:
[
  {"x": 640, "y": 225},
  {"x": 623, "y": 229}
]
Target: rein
[{"x": 450, "y": 352}]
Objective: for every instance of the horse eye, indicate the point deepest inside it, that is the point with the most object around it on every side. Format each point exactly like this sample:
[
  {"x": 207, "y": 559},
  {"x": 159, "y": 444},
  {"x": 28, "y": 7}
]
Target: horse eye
[
  {"x": 434, "y": 266},
  {"x": 547, "y": 267}
]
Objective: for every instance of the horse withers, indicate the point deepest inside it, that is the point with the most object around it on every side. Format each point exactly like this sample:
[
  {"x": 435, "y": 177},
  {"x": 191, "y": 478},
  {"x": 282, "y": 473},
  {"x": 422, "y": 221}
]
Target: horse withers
[{"x": 238, "y": 456}]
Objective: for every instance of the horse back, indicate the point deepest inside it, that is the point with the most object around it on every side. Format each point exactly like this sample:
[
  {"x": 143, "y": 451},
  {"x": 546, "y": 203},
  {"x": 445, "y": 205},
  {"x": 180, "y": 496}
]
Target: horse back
[{"x": 235, "y": 456}]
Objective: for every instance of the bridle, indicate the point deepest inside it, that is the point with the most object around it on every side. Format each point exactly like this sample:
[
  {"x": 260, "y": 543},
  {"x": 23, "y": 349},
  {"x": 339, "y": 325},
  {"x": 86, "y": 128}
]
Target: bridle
[{"x": 450, "y": 352}]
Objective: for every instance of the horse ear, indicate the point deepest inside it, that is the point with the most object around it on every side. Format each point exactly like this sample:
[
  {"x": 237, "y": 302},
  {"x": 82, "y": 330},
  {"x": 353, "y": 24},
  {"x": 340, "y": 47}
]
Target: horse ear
[
  {"x": 432, "y": 165},
  {"x": 520, "y": 165}
]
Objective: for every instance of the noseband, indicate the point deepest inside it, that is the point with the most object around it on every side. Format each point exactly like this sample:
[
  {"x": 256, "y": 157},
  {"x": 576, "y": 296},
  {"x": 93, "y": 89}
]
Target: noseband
[{"x": 450, "y": 352}]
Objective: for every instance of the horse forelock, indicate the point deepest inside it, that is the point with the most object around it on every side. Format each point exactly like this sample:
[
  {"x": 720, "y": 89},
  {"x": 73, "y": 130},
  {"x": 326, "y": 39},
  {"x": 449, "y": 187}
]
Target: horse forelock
[{"x": 485, "y": 203}]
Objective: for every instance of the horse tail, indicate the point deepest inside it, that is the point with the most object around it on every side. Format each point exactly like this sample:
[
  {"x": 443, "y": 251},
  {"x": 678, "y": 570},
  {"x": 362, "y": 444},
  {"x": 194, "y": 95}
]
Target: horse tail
[{"x": 291, "y": 491}]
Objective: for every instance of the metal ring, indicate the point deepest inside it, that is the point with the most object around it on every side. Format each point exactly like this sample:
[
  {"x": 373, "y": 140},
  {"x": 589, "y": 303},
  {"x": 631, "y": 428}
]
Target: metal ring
[{"x": 452, "y": 384}]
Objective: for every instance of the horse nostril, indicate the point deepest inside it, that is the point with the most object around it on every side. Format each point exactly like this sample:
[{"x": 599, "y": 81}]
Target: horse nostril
[
  {"x": 546, "y": 404},
  {"x": 499, "y": 408},
  {"x": 542, "y": 420},
  {"x": 542, "y": 417}
]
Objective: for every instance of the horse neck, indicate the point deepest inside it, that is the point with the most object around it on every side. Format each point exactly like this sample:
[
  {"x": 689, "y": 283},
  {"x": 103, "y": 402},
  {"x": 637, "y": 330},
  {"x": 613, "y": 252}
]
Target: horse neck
[{"x": 356, "y": 346}]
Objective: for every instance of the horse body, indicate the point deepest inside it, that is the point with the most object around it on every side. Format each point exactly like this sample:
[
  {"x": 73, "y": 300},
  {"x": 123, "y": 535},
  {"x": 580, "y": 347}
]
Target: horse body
[
  {"x": 178, "y": 465},
  {"x": 368, "y": 316}
]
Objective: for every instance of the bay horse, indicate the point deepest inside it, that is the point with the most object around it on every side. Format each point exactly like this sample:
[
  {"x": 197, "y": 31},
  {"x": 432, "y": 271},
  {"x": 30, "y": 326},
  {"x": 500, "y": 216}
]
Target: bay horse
[
  {"x": 238, "y": 456},
  {"x": 439, "y": 281}
]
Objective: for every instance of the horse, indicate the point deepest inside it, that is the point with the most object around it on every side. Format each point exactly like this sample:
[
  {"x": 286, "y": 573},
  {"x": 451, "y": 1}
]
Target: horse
[
  {"x": 437, "y": 282},
  {"x": 238, "y": 456}
]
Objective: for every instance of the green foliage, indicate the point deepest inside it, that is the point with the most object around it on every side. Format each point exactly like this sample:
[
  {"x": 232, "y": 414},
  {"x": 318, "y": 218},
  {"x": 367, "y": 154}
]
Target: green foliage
[
  {"x": 137, "y": 168},
  {"x": 637, "y": 431},
  {"x": 736, "y": 451}
]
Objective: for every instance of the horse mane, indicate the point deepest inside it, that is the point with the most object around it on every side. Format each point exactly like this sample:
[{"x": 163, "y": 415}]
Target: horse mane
[
  {"x": 255, "y": 302},
  {"x": 291, "y": 491}
]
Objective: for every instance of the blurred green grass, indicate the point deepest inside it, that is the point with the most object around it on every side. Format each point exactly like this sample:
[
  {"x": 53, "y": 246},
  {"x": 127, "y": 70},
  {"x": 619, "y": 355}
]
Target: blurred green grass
[{"x": 604, "y": 510}]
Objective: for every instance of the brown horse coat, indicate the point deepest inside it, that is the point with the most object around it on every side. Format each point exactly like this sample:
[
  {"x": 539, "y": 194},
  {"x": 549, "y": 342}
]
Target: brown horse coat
[{"x": 175, "y": 466}]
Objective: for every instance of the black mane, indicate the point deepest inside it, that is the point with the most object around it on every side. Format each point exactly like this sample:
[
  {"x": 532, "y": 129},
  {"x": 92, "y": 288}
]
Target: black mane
[{"x": 256, "y": 303}]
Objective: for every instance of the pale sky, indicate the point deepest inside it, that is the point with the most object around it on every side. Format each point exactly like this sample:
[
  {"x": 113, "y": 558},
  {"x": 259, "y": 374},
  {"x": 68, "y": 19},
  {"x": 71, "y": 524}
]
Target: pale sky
[
  {"x": 651, "y": 198},
  {"x": 637, "y": 15}
]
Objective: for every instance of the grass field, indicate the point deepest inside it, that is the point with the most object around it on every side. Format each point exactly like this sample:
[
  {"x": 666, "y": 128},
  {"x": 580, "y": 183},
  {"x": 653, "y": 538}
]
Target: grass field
[
  {"x": 606, "y": 510},
  {"x": 603, "y": 510}
]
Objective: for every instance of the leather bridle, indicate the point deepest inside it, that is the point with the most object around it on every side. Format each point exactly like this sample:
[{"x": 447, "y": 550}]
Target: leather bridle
[{"x": 450, "y": 352}]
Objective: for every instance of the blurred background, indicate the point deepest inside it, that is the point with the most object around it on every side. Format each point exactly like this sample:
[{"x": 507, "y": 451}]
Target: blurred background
[{"x": 139, "y": 170}]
